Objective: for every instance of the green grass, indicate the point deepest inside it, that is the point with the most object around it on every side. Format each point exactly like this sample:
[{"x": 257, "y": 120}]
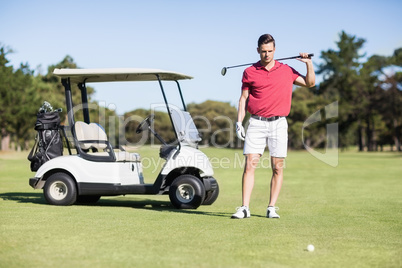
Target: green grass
[{"x": 351, "y": 213}]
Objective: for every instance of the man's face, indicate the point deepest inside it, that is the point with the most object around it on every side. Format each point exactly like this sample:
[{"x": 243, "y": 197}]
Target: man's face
[{"x": 266, "y": 52}]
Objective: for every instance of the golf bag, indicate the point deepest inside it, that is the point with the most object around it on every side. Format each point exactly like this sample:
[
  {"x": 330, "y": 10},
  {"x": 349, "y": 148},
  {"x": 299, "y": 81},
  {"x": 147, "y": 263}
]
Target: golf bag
[{"x": 48, "y": 142}]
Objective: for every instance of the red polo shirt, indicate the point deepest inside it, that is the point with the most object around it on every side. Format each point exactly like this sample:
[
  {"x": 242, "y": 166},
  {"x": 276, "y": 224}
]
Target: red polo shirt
[{"x": 270, "y": 92}]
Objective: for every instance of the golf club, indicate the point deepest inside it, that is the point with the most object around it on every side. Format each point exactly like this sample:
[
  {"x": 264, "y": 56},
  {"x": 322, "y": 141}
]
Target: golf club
[{"x": 224, "y": 69}]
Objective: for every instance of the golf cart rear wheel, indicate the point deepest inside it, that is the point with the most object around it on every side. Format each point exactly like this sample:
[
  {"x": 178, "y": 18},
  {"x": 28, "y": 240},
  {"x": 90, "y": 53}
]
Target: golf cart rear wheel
[
  {"x": 187, "y": 192},
  {"x": 60, "y": 190}
]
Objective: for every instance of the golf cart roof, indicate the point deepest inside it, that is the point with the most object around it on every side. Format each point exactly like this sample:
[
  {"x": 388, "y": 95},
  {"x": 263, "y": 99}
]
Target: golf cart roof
[{"x": 118, "y": 74}]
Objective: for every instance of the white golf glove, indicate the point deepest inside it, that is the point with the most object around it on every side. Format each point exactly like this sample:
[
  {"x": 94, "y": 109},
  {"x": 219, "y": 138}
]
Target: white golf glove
[{"x": 240, "y": 131}]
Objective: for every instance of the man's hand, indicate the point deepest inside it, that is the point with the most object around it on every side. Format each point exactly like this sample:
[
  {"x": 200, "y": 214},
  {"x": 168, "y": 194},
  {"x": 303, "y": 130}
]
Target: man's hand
[
  {"x": 304, "y": 58},
  {"x": 309, "y": 79},
  {"x": 240, "y": 131}
]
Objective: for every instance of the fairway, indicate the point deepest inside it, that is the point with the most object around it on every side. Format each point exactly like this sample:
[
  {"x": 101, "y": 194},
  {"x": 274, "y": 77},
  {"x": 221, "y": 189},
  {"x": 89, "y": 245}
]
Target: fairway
[{"x": 351, "y": 214}]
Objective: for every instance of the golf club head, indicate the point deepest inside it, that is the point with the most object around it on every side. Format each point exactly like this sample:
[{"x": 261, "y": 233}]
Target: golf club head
[{"x": 223, "y": 72}]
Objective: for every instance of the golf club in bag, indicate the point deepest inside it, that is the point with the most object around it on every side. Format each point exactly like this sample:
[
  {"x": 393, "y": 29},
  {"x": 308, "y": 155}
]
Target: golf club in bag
[
  {"x": 48, "y": 141},
  {"x": 224, "y": 69}
]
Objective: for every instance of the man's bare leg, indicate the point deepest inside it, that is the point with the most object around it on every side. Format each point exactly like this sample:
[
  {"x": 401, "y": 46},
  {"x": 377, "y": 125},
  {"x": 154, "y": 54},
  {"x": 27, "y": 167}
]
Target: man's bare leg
[
  {"x": 276, "y": 180},
  {"x": 248, "y": 177}
]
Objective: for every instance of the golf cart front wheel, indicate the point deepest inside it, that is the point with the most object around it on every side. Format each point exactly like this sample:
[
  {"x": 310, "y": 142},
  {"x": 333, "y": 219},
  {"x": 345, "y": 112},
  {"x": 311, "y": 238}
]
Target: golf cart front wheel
[
  {"x": 211, "y": 196},
  {"x": 187, "y": 192},
  {"x": 60, "y": 190}
]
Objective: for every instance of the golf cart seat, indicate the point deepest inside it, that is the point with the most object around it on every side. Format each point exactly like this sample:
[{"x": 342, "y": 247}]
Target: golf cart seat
[
  {"x": 93, "y": 137},
  {"x": 90, "y": 136}
]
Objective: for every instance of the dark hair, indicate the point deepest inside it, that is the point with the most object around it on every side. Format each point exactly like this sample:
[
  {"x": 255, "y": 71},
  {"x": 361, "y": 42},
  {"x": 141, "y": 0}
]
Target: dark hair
[{"x": 265, "y": 39}]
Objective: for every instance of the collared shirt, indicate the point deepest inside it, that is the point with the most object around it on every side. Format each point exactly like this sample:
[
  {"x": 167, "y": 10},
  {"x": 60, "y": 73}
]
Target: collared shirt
[{"x": 270, "y": 92}]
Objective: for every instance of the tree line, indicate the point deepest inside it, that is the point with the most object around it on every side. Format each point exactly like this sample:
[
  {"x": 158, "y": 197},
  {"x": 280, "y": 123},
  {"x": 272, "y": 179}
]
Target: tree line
[{"x": 364, "y": 94}]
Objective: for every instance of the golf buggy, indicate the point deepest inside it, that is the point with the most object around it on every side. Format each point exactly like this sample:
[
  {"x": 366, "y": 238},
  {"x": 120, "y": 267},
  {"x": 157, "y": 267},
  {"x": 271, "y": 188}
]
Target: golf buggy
[{"x": 97, "y": 169}]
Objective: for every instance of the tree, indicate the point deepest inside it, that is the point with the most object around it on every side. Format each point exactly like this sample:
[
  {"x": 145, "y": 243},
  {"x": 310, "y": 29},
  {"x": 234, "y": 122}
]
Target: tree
[
  {"x": 342, "y": 82},
  {"x": 6, "y": 77},
  {"x": 389, "y": 100},
  {"x": 161, "y": 124},
  {"x": 215, "y": 121},
  {"x": 304, "y": 104},
  {"x": 21, "y": 105},
  {"x": 17, "y": 97}
]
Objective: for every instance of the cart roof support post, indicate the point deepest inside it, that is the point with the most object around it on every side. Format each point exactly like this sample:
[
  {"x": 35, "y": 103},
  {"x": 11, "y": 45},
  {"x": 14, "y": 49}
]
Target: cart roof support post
[
  {"x": 84, "y": 101},
  {"x": 181, "y": 96},
  {"x": 168, "y": 109},
  {"x": 69, "y": 101}
]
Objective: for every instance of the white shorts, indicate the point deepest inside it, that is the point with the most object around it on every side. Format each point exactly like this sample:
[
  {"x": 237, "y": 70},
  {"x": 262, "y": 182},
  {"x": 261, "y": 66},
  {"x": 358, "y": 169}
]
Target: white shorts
[{"x": 262, "y": 133}]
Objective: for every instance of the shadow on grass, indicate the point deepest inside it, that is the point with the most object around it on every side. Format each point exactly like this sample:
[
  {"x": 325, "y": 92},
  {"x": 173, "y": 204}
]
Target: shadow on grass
[
  {"x": 147, "y": 204},
  {"x": 154, "y": 205},
  {"x": 35, "y": 198}
]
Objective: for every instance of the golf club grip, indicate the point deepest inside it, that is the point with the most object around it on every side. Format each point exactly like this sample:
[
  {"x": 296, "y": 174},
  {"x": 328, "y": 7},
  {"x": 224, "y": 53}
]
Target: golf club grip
[
  {"x": 309, "y": 56},
  {"x": 296, "y": 57}
]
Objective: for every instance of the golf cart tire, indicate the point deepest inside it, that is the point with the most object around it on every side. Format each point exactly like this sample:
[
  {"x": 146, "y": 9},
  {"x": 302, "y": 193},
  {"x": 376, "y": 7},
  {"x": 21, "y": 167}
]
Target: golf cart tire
[
  {"x": 187, "y": 192},
  {"x": 211, "y": 196},
  {"x": 87, "y": 199},
  {"x": 60, "y": 189}
]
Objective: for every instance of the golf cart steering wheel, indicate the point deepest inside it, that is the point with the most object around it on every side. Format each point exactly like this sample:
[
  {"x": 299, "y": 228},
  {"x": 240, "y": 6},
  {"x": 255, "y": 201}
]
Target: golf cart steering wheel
[{"x": 147, "y": 121}]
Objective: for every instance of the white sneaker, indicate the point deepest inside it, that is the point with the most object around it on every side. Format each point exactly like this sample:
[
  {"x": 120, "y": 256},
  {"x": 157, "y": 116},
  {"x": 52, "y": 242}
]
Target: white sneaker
[
  {"x": 241, "y": 213},
  {"x": 271, "y": 212}
]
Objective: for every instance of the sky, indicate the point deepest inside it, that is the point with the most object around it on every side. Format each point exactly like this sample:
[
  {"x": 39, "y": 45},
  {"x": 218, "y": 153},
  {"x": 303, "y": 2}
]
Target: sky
[{"x": 196, "y": 38}]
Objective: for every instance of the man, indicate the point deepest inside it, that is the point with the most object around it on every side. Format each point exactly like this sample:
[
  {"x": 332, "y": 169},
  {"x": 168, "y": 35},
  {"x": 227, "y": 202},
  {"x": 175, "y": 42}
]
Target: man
[{"x": 266, "y": 94}]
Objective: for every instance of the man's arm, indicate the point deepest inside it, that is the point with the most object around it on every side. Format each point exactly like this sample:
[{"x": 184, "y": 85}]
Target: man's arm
[
  {"x": 309, "y": 79},
  {"x": 241, "y": 112}
]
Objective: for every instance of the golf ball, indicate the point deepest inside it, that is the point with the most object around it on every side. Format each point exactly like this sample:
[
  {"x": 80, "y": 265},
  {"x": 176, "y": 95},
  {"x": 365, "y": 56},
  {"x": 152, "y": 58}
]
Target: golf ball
[{"x": 310, "y": 248}]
